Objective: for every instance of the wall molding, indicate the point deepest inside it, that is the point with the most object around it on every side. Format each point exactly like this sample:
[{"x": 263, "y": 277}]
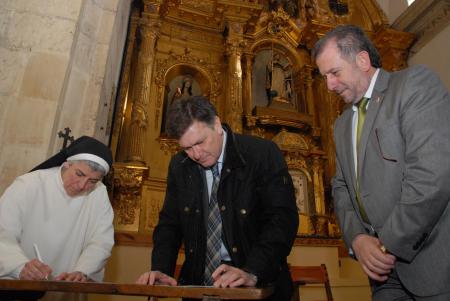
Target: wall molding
[{"x": 425, "y": 19}]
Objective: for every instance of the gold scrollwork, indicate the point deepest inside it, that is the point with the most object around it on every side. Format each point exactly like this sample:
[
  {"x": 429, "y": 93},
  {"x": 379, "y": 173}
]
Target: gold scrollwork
[
  {"x": 126, "y": 196},
  {"x": 168, "y": 145},
  {"x": 279, "y": 22},
  {"x": 153, "y": 208}
]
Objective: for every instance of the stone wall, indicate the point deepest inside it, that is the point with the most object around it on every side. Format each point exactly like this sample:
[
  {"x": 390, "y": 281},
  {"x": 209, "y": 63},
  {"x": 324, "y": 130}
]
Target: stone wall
[
  {"x": 435, "y": 55},
  {"x": 60, "y": 66}
]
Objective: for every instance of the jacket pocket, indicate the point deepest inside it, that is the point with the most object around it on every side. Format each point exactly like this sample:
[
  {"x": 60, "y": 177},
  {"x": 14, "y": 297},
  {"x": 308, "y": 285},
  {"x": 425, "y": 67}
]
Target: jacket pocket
[{"x": 390, "y": 142}]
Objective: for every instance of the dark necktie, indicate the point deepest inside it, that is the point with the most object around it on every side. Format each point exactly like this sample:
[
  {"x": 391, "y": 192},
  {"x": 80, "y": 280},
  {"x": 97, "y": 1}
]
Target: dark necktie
[
  {"x": 214, "y": 230},
  {"x": 362, "y": 109}
]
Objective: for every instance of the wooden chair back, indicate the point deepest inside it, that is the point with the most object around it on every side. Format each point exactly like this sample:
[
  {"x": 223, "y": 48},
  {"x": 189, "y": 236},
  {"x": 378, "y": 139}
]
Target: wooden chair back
[{"x": 302, "y": 275}]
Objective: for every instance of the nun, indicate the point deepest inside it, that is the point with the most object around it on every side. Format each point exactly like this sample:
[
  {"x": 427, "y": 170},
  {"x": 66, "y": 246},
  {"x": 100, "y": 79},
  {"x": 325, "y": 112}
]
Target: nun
[{"x": 56, "y": 222}]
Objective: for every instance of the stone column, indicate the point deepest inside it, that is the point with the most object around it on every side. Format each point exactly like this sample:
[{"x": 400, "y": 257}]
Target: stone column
[
  {"x": 149, "y": 29},
  {"x": 233, "y": 109}
]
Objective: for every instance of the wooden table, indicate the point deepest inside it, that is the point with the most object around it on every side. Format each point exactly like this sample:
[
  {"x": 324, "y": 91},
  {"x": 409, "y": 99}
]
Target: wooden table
[{"x": 198, "y": 292}]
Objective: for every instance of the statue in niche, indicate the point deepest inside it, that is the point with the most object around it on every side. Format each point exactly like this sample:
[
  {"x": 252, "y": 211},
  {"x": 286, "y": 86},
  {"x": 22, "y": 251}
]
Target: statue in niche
[
  {"x": 278, "y": 81},
  {"x": 288, "y": 88},
  {"x": 273, "y": 83},
  {"x": 301, "y": 190},
  {"x": 181, "y": 92},
  {"x": 315, "y": 10},
  {"x": 185, "y": 91},
  {"x": 289, "y": 6},
  {"x": 275, "y": 78},
  {"x": 339, "y": 7}
]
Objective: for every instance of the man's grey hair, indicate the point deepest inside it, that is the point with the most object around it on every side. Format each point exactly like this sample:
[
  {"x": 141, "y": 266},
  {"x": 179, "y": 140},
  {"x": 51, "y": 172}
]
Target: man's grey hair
[{"x": 350, "y": 40}]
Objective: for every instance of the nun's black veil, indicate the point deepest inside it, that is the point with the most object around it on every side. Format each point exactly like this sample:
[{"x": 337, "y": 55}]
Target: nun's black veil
[{"x": 83, "y": 144}]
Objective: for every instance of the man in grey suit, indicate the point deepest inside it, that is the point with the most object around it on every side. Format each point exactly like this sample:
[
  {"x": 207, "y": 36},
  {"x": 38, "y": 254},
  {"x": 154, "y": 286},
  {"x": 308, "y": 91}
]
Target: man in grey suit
[{"x": 392, "y": 182}]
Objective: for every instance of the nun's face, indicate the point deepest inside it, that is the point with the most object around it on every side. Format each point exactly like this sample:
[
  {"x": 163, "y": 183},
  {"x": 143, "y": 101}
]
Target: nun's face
[{"x": 78, "y": 178}]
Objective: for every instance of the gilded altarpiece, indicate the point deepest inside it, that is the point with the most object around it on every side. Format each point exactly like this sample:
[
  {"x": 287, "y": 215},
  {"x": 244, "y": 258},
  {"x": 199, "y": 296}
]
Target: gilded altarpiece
[{"x": 253, "y": 61}]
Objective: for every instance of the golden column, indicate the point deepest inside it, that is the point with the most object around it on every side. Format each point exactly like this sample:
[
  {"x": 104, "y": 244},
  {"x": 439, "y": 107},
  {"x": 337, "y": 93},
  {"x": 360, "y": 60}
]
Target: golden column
[
  {"x": 125, "y": 88},
  {"x": 309, "y": 93},
  {"x": 234, "y": 43},
  {"x": 149, "y": 29},
  {"x": 130, "y": 175},
  {"x": 319, "y": 197},
  {"x": 247, "y": 95}
]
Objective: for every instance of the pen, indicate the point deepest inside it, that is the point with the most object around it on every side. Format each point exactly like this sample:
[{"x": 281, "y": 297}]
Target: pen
[
  {"x": 38, "y": 255},
  {"x": 36, "y": 252}
]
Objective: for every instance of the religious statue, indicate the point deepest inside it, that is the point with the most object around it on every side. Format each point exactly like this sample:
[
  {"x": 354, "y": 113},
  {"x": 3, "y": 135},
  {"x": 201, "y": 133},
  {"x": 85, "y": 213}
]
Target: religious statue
[
  {"x": 185, "y": 91},
  {"x": 278, "y": 81},
  {"x": 181, "y": 92},
  {"x": 339, "y": 7},
  {"x": 289, "y": 92},
  {"x": 289, "y": 6},
  {"x": 301, "y": 190},
  {"x": 315, "y": 10}
]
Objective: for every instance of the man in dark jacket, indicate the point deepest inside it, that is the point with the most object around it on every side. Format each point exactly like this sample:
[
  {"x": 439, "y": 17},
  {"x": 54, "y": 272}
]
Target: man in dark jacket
[{"x": 255, "y": 205}]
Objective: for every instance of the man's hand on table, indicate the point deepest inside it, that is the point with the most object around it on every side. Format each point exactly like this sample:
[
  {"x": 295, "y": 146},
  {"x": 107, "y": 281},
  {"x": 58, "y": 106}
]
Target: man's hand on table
[
  {"x": 156, "y": 278},
  {"x": 229, "y": 276}
]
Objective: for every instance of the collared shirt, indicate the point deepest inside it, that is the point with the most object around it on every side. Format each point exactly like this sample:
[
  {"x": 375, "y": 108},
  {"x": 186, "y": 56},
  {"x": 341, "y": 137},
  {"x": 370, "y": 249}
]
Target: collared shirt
[
  {"x": 209, "y": 175},
  {"x": 368, "y": 94},
  {"x": 209, "y": 180}
]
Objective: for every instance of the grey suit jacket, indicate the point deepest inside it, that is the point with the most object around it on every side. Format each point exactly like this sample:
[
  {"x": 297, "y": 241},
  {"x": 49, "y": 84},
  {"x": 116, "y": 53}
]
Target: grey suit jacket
[{"x": 404, "y": 167}]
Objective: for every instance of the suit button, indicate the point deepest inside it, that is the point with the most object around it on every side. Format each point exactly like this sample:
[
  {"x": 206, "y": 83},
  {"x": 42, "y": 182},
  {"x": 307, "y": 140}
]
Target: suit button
[
  {"x": 243, "y": 211},
  {"x": 197, "y": 211},
  {"x": 228, "y": 170},
  {"x": 234, "y": 250},
  {"x": 223, "y": 208},
  {"x": 191, "y": 250},
  {"x": 186, "y": 209}
]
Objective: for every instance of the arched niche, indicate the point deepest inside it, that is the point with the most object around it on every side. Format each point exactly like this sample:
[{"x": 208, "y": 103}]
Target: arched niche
[
  {"x": 180, "y": 82},
  {"x": 276, "y": 74}
]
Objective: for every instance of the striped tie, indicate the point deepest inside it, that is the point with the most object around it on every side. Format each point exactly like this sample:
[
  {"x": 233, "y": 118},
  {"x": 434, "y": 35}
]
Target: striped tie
[{"x": 214, "y": 230}]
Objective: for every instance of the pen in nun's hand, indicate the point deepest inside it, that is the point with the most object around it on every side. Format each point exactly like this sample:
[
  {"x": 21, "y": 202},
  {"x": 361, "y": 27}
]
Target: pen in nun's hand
[{"x": 38, "y": 255}]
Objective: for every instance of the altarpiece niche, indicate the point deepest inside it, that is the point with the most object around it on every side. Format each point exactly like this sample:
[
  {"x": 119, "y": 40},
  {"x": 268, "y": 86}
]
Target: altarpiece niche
[
  {"x": 178, "y": 89},
  {"x": 273, "y": 81}
]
